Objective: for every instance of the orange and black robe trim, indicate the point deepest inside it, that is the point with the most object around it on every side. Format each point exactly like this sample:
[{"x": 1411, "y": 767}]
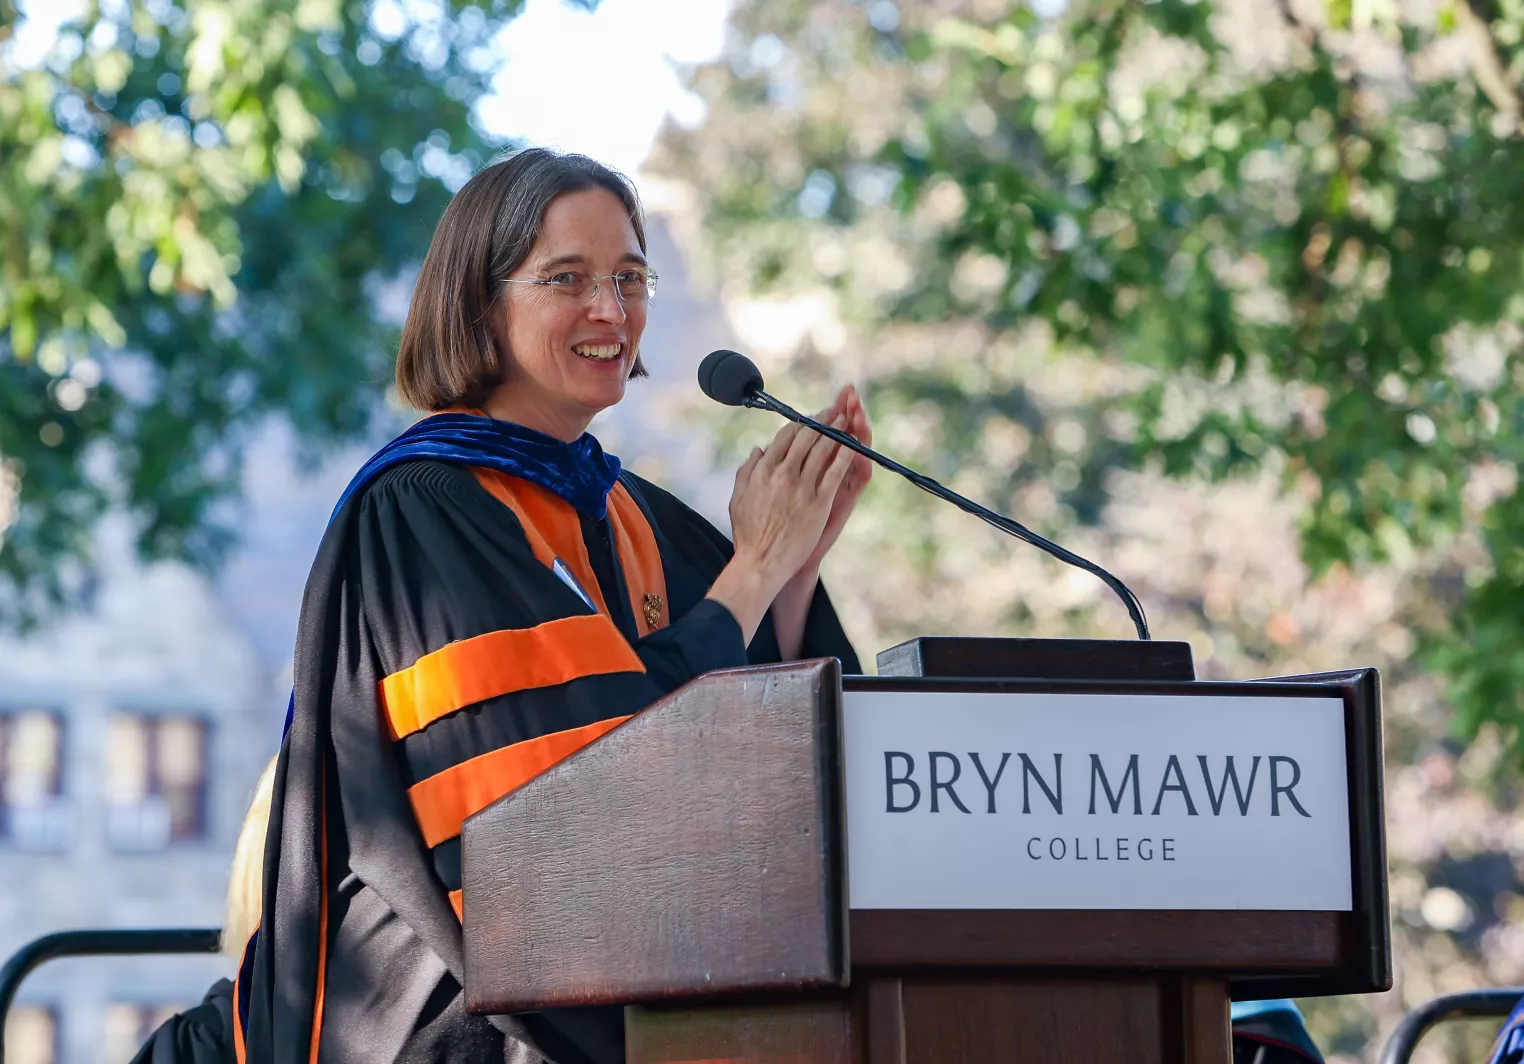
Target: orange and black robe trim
[
  {"x": 462, "y": 631},
  {"x": 476, "y": 697}
]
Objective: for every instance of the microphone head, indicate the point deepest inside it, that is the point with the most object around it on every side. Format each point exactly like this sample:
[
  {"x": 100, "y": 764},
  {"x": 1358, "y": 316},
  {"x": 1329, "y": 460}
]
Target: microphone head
[{"x": 729, "y": 377}]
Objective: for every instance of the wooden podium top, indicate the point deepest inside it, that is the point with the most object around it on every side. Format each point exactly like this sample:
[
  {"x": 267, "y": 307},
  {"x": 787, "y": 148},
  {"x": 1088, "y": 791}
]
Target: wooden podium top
[
  {"x": 701, "y": 850},
  {"x": 711, "y": 818}
]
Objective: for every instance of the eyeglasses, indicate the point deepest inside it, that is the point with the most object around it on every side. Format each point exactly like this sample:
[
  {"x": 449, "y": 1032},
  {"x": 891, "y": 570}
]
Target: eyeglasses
[{"x": 634, "y": 285}]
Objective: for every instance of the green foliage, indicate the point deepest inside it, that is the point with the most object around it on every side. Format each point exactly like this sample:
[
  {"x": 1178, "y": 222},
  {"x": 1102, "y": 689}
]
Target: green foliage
[
  {"x": 1305, "y": 241},
  {"x": 198, "y": 202}
]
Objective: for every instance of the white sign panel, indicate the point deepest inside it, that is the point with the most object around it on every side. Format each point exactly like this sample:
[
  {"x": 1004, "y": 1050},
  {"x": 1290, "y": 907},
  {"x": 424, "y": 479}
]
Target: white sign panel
[{"x": 961, "y": 800}]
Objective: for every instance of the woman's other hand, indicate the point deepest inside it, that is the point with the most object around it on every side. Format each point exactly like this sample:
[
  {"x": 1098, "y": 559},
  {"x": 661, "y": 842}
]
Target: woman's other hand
[
  {"x": 848, "y": 414},
  {"x": 784, "y": 496},
  {"x": 791, "y": 607}
]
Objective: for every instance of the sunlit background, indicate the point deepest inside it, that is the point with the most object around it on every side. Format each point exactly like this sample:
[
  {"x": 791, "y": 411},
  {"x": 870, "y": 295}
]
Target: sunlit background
[
  {"x": 598, "y": 80},
  {"x": 1227, "y": 293}
]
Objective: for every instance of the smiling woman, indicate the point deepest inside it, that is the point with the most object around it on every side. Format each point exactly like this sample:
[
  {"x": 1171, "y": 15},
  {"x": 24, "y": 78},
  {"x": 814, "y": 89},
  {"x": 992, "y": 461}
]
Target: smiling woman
[{"x": 494, "y": 592}]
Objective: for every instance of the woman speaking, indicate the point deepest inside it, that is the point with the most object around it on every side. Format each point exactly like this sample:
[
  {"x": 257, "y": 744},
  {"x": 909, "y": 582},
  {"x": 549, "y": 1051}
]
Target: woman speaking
[{"x": 493, "y": 593}]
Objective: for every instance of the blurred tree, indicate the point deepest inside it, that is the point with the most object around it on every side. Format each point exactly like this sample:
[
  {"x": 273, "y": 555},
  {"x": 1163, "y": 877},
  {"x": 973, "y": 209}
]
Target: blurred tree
[
  {"x": 1291, "y": 230},
  {"x": 201, "y": 203}
]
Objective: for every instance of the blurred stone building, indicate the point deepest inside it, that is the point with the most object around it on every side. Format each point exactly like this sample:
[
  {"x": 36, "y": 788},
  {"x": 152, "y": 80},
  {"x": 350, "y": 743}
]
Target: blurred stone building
[
  {"x": 130, "y": 737},
  {"x": 132, "y": 733}
]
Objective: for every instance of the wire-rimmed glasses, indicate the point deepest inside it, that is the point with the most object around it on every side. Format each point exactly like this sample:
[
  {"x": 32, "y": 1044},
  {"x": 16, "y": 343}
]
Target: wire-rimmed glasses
[{"x": 634, "y": 284}]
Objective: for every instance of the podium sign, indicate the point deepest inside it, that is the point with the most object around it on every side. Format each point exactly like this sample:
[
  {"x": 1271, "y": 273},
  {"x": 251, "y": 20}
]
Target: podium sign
[{"x": 1065, "y": 800}]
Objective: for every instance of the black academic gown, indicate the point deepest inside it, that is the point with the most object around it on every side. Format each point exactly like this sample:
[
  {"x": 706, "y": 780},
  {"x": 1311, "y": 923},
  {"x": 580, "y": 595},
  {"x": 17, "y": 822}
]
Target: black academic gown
[{"x": 359, "y": 952}]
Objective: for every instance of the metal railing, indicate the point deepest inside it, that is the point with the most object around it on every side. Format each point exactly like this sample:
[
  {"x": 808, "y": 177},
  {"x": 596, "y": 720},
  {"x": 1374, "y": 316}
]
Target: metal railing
[
  {"x": 95, "y": 943},
  {"x": 1492, "y": 1001}
]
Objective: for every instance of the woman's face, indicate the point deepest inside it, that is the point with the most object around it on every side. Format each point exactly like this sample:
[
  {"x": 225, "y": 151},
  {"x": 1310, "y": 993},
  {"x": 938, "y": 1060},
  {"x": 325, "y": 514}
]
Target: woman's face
[{"x": 567, "y": 358}]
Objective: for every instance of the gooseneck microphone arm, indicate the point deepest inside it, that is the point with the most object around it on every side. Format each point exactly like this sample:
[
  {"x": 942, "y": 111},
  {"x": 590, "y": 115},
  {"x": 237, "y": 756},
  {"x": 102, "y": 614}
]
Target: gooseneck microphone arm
[{"x": 731, "y": 378}]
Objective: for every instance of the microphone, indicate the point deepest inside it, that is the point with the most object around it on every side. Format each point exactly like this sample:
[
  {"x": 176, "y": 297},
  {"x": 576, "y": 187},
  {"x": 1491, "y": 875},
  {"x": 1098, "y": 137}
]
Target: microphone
[{"x": 730, "y": 378}]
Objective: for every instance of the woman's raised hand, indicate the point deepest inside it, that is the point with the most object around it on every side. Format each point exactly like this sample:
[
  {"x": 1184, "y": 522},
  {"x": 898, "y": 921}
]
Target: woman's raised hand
[{"x": 783, "y": 497}]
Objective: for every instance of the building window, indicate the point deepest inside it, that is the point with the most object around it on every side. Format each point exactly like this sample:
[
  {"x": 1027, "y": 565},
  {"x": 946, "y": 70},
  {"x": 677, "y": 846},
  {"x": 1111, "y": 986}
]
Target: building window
[
  {"x": 31, "y": 1035},
  {"x": 155, "y": 780},
  {"x": 33, "y": 812},
  {"x": 128, "y": 1025}
]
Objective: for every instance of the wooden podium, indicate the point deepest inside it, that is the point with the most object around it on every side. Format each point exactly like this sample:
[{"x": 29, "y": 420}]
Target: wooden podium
[{"x": 696, "y": 862}]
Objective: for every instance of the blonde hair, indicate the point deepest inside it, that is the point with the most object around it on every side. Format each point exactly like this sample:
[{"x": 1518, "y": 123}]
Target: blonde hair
[{"x": 245, "y": 885}]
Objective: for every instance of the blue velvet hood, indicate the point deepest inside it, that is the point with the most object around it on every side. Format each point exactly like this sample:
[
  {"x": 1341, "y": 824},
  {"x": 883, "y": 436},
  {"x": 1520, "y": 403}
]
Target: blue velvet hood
[{"x": 579, "y": 472}]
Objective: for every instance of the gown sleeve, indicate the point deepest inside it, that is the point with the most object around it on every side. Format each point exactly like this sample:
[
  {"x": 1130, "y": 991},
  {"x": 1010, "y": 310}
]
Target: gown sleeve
[
  {"x": 694, "y": 552},
  {"x": 704, "y": 638}
]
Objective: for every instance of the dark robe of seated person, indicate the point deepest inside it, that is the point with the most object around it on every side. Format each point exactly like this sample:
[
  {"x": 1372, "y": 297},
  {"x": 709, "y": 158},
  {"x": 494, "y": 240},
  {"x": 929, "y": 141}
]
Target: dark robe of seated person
[{"x": 202, "y": 1034}]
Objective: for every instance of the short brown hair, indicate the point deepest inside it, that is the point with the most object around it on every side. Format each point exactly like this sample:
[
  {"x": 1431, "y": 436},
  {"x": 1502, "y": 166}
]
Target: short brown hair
[{"x": 448, "y": 355}]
